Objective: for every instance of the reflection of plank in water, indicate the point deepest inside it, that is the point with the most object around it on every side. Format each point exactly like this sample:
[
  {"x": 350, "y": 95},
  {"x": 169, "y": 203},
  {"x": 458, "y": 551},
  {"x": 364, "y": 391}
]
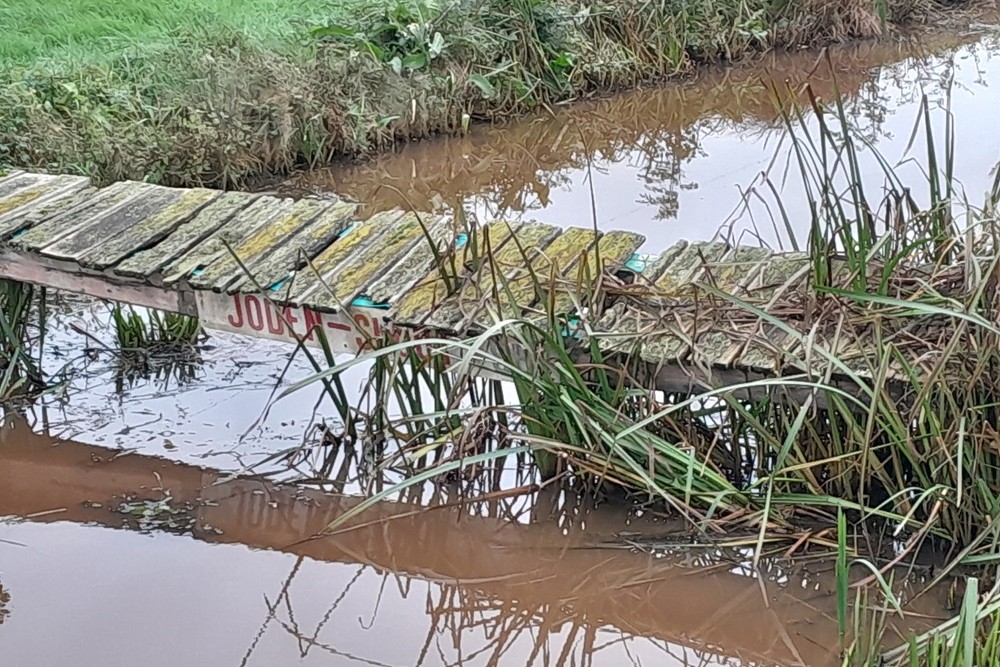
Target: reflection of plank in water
[{"x": 528, "y": 568}]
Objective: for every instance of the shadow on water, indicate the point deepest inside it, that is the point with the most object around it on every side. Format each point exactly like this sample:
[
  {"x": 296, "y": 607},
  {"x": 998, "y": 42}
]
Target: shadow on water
[
  {"x": 682, "y": 152},
  {"x": 449, "y": 586}
]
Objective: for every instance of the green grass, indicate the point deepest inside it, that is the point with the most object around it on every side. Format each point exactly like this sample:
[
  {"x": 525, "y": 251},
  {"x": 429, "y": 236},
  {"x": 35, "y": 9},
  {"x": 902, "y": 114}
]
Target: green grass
[
  {"x": 223, "y": 94},
  {"x": 96, "y": 31}
]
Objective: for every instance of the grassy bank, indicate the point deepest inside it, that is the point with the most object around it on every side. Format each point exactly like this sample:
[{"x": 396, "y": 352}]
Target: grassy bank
[{"x": 192, "y": 92}]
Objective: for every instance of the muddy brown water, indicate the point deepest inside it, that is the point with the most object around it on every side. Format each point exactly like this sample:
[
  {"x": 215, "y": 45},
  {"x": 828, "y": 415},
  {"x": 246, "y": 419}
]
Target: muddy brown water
[
  {"x": 229, "y": 580},
  {"x": 676, "y": 162},
  {"x": 233, "y": 580}
]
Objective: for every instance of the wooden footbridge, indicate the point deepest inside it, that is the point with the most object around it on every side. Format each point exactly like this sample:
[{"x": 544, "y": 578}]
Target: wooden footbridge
[{"x": 271, "y": 266}]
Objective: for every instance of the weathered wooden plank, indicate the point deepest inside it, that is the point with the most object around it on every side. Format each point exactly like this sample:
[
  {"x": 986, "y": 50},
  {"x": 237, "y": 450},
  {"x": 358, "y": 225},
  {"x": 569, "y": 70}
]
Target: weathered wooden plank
[
  {"x": 676, "y": 279},
  {"x": 251, "y": 243},
  {"x": 23, "y": 181},
  {"x": 353, "y": 240},
  {"x": 287, "y": 257},
  {"x": 416, "y": 264},
  {"x": 237, "y": 227},
  {"x": 148, "y": 230},
  {"x": 780, "y": 275},
  {"x": 766, "y": 350},
  {"x": 353, "y": 278},
  {"x": 148, "y": 262},
  {"x": 657, "y": 266},
  {"x": 629, "y": 330},
  {"x": 103, "y": 228},
  {"x": 413, "y": 307},
  {"x": 736, "y": 269},
  {"x": 62, "y": 275},
  {"x": 19, "y": 212},
  {"x": 504, "y": 267},
  {"x": 614, "y": 249},
  {"x": 8, "y": 175},
  {"x": 63, "y": 223}
]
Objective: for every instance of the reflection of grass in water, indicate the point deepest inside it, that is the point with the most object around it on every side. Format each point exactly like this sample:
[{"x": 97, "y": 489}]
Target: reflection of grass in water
[
  {"x": 889, "y": 416},
  {"x": 19, "y": 304}
]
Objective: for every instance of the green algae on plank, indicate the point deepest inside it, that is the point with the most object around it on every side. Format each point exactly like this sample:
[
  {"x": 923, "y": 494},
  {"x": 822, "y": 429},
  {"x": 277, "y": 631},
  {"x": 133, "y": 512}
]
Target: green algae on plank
[
  {"x": 499, "y": 266},
  {"x": 149, "y": 230},
  {"x": 508, "y": 275},
  {"x": 370, "y": 262},
  {"x": 102, "y": 228},
  {"x": 718, "y": 347},
  {"x": 288, "y": 257},
  {"x": 780, "y": 274},
  {"x": 250, "y": 242},
  {"x": 767, "y": 350},
  {"x": 676, "y": 280},
  {"x": 28, "y": 207},
  {"x": 656, "y": 267},
  {"x": 148, "y": 262},
  {"x": 416, "y": 264},
  {"x": 417, "y": 303},
  {"x": 20, "y": 220},
  {"x": 214, "y": 247},
  {"x": 736, "y": 269},
  {"x": 63, "y": 223},
  {"x": 343, "y": 251},
  {"x": 23, "y": 181},
  {"x": 614, "y": 249}
]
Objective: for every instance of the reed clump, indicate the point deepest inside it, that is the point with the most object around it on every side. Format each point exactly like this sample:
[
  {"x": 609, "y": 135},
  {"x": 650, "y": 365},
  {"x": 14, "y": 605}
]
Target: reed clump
[{"x": 218, "y": 106}]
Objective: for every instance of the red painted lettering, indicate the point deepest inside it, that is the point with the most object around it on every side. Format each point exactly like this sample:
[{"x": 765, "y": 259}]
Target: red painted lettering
[
  {"x": 274, "y": 324},
  {"x": 291, "y": 319},
  {"x": 236, "y": 318},
  {"x": 255, "y": 318},
  {"x": 313, "y": 319}
]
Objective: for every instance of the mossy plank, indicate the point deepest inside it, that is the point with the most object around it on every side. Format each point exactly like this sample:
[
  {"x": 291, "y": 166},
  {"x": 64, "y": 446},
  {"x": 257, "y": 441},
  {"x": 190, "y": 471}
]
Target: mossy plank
[
  {"x": 503, "y": 267},
  {"x": 766, "y": 350},
  {"x": 355, "y": 238},
  {"x": 657, "y": 266},
  {"x": 63, "y": 223},
  {"x": 779, "y": 275},
  {"x": 416, "y": 264},
  {"x": 718, "y": 347},
  {"x": 371, "y": 262},
  {"x": 212, "y": 248},
  {"x": 148, "y": 262},
  {"x": 736, "y": 269},
  {"x": 413, "y": 307},
  {"x": 287, "y": 257},
  {"x": 251, "y": 243},
  {"x": 149, "y": 230},
  {"x": 676, "y": 279},
  {"x": 614, "y": 249},
  {"x": 629, "y": 330},
  {"x": 104, "y": 228},
  {"x": 21, "y": 211},
  {"x": 23, "y": 181},
  {"x": 9, "y": 174}
]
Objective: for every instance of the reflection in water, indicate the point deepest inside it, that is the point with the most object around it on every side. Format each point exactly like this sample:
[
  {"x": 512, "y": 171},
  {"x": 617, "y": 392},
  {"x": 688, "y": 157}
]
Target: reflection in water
[
  {"x": 403, "y": 587},
  {"x": 682, "y": 151}
]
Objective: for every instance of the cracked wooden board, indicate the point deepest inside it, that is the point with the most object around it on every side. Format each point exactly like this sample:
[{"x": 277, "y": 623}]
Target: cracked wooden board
[
  {"x": 9, "y": 175},
  {"x": 235, "y": 228},
  {"x": 22, "y": 211},
  {"x": 147, "y": 231},
  {"x": 417, "y": 264},
  {"x": 656, "y": 266},
  {"x": 251, "y": 243},
  {"x": 22, "y": 181},
  {"x": 61, "y": 224},
  {"x": 369, "y": 263},
  {"x": 146, "y": 263},
  {"x": 630, "y": 330},
  {"x": 476, "y": 300},
  {"x": 354, "y": 239},
  {"x": 100, "y": 229},
  {"x": 271, "y": 269},
  {"x": 413, "y": 307}
]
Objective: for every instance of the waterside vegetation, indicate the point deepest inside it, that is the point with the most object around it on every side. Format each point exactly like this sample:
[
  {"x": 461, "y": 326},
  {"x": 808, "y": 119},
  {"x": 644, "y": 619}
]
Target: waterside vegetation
[{"x": 222, "y": 95}]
